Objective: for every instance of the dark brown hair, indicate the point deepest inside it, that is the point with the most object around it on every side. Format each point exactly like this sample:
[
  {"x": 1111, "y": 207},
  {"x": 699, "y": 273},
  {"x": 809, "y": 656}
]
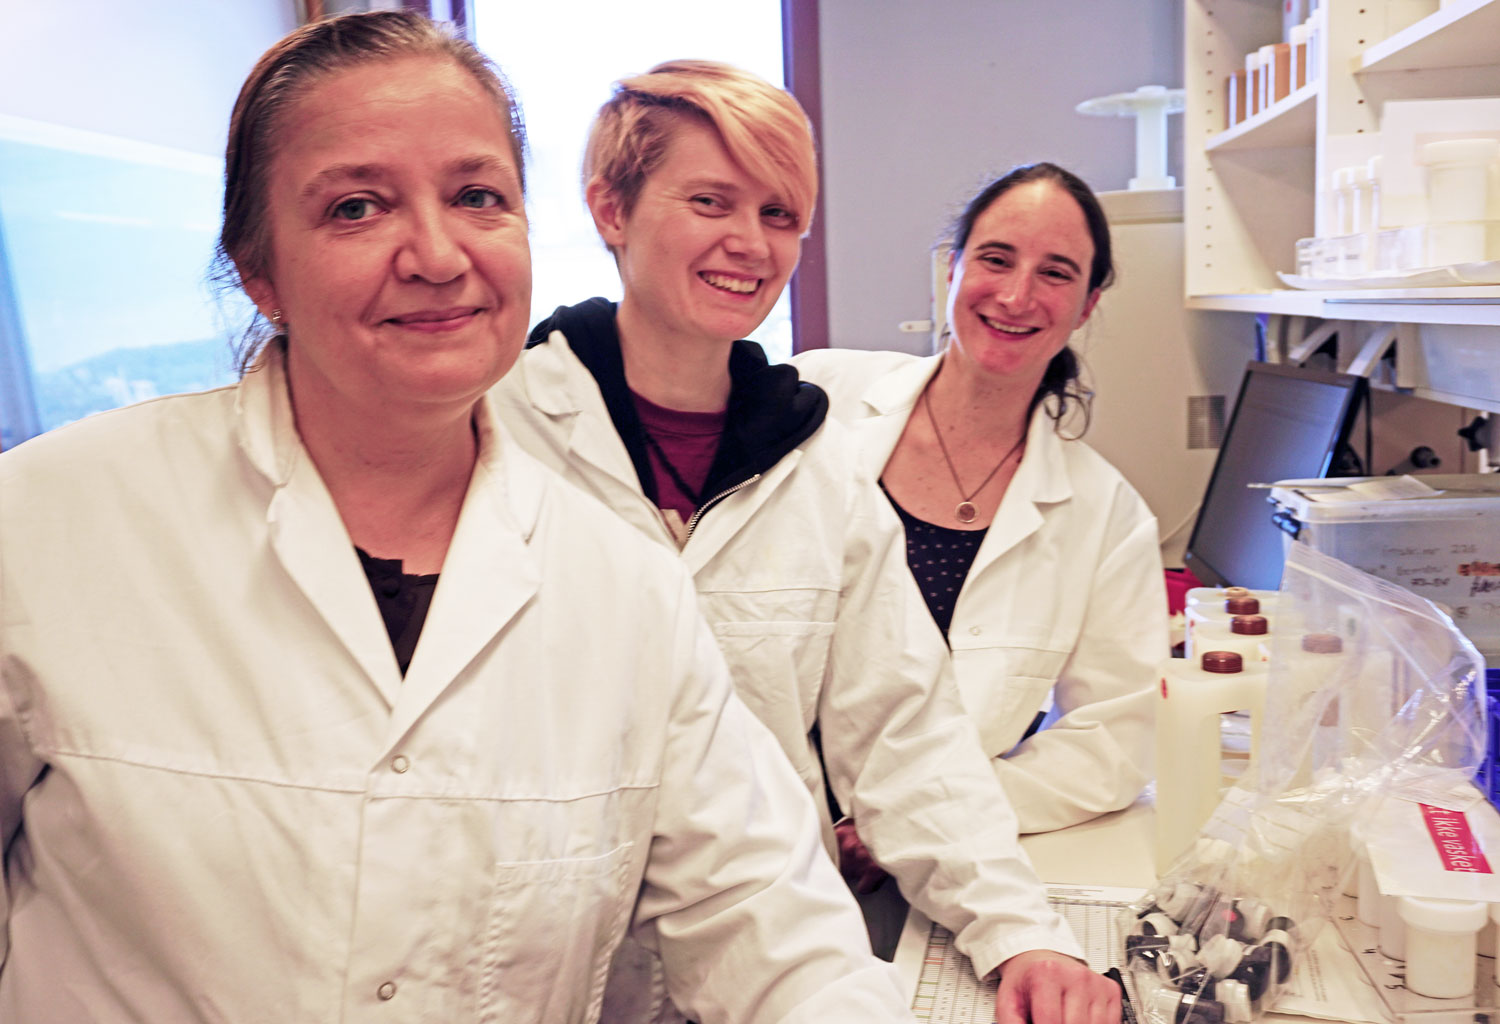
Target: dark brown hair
[{"x": 1061, "y": 378}]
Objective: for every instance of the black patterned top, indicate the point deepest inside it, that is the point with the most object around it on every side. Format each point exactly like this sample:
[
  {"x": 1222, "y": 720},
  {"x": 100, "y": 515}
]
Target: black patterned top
[{"x": 939, "y": 558}]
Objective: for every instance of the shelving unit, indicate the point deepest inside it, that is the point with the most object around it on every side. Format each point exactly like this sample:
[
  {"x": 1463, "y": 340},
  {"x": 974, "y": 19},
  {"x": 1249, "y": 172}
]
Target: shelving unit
[
  {"x": 1289, "y": 122},
  {"x": 1251, "y": 190}
]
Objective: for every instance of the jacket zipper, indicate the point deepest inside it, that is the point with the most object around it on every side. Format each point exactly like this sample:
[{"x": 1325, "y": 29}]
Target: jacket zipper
[{"x": 692, "y": 523}]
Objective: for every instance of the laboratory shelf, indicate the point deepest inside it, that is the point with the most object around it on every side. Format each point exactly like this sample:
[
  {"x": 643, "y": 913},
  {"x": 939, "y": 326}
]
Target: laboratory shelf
[
  {"x": 1291, "y": 121},
  {"x": 1253, "y": 191},
  {"x": 1462, "y": 34},
  {"x": 1477, "y": 305}
]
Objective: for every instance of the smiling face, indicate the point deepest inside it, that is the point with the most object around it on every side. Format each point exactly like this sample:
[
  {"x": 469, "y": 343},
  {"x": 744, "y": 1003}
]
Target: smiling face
[
  {"x": 1019, "y": 289},
  {"x": 398, "y": 250},
  {"x": 706, "y": 249}
]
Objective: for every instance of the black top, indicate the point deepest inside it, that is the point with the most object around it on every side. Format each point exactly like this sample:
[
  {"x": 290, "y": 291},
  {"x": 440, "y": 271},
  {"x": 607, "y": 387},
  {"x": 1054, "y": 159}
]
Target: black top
[
  {"x": 940, "y": 558},
  {"x": 771, "y": 411},
  {"x": 403, "y": 599}
]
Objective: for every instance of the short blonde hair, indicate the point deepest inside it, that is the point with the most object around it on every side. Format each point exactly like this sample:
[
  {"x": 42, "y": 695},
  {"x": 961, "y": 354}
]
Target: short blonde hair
[{"x": 764, "y": 129}]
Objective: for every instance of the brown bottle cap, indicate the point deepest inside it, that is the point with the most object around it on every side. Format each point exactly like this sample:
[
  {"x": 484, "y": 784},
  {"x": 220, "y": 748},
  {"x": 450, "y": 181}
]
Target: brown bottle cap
[
  {"x": 1222, "y": 661},
  {"x": 1248, "y": 625},
  {"x": 1236, "y": 592},
  {"x": 1322, "y": 643},
  {"x": 1242, "y": 606}
]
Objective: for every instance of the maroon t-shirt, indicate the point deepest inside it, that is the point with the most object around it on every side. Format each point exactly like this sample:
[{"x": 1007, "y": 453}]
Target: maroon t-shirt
[{"x": 680, "y": 443}]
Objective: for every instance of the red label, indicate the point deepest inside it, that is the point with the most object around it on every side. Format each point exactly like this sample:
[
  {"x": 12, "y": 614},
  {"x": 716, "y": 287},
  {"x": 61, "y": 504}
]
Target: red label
[
  {"x": 1163, "y": 687},
  {"x": 1455, "y": 842}
]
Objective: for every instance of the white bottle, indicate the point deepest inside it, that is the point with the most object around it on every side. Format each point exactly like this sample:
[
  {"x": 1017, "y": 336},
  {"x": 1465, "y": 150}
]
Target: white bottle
[
  {"x": 1317, "y": 19},
  {"x": 1193, "y": 696},
  {"x": 1298, "y": 40},
  {"x": 1441, "y": 945},
  {"x": 1316, "y": 674},
  {"x": 1254, "y": 72}
]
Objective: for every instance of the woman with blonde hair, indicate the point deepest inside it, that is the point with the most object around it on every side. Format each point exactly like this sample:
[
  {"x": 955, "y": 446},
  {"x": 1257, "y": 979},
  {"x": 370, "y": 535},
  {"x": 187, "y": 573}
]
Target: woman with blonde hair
[{"x": 702, "y": 180}]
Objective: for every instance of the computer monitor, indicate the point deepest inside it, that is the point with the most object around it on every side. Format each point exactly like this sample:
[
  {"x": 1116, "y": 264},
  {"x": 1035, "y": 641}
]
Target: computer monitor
[{"x": 1287, "y": 423}]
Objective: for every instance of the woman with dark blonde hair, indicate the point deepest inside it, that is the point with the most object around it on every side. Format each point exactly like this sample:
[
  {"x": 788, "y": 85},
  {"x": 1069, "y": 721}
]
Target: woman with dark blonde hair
[
  {"x": 319, "y": 699},
  {"x": 701, "y": 179}
]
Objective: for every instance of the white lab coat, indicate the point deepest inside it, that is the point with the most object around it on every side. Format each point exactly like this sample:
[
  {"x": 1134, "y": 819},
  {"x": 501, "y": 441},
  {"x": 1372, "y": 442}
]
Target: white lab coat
[
  {"x": 803, "y": 578},
  {"x": 221, "y": 802},
  {"x": 1063, "y": 610}
]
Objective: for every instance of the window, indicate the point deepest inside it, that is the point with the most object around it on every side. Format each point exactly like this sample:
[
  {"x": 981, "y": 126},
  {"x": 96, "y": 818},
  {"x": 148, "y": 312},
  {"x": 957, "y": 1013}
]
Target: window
[
  {"x": 561, "y": 58},
  {"x": 104, "y": 250}
]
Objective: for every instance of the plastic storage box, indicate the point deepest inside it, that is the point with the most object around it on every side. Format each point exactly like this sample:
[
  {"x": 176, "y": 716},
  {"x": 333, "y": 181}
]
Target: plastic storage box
[{"x": 1445, "y": 548}]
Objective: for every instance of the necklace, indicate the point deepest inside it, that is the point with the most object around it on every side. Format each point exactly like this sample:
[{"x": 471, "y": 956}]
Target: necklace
[
  {"x": 964, "y": 511},
  {"x": 692, "y": 494}
]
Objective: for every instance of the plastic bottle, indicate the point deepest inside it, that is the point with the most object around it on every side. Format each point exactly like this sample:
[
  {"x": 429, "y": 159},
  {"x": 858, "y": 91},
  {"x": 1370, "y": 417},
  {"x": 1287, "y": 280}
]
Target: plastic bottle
[
  {"x": 1458, "y": 201},
  {"x": 1293, "y": 13},
  {"x": 1234, "y": 98},
  {"x": 1317, "y": 19},
  {"x": 1278, "y": 72},
  {"x": 1441, "y": 945},
  {"x": 1298, "y": 42},
  {"x": 1193, "y": 696},
  {"x": 1253, "y": 88}
]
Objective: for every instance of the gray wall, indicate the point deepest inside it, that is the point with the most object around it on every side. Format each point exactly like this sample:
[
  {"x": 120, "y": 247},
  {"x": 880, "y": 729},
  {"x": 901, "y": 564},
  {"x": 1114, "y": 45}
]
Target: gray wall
[
  {"x": 160, "y": 71},
  {"x": 923, "y": 100}
]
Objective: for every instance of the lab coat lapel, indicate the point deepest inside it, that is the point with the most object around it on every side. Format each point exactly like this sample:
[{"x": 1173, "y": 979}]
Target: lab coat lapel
[
  {"x": 1041, "y": 479},
  {"x": 561, "y": 389},
  {"x": 306, "y": 532},
  {"x": 488, "y": 576},
  {"x": 888, "y": 402}
]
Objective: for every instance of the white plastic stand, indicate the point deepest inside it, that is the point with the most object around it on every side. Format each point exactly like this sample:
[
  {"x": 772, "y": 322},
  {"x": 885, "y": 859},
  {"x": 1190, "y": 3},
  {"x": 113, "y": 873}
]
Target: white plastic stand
[{"x": 1149, "y": 105}]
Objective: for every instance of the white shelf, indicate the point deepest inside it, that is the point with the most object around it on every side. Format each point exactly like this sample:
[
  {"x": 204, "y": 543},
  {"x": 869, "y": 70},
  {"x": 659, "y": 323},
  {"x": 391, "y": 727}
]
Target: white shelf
[
  {"x": 1466, "y": 33},
  {"x": 1292, "y": 121},
  {"x": 1473, "y": 305}
]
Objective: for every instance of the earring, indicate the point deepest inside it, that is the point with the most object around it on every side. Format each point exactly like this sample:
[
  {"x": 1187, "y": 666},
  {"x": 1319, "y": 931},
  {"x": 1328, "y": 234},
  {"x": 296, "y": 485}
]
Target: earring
[{"x": 276, "y": 316}]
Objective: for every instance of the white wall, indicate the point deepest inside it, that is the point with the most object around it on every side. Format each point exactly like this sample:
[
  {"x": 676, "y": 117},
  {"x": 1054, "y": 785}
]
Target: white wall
[
  {"x": 160, "y": 71},
  {"x": 924, "y": 101}
]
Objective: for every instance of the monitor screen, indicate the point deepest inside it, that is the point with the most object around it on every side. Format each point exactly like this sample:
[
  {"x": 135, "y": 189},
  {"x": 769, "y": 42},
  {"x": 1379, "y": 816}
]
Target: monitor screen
[{"x": 1287, "y": 423}]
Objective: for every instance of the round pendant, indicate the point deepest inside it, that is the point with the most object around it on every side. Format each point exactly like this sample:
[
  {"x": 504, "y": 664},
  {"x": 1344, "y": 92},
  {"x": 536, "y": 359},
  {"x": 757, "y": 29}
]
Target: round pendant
[{"x": 965, "y": 512}]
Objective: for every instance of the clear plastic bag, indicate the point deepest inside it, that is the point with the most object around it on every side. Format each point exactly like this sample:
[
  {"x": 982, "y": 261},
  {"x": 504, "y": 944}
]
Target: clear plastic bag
[{"x": 1371, "y": 692}]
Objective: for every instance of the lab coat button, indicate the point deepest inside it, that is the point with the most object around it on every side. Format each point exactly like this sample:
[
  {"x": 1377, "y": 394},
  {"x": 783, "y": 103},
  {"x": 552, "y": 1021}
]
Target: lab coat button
[
  {"x": 387, "y": 991},
  {"x": 400, "y": 764},
  {"x": 975, "y": 630}
]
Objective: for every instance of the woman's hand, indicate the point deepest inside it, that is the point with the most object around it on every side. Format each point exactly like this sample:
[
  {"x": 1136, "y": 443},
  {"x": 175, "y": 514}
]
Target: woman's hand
[
  {"x": 858, "y": 867},
  {"x": 1045, "y": 987}
]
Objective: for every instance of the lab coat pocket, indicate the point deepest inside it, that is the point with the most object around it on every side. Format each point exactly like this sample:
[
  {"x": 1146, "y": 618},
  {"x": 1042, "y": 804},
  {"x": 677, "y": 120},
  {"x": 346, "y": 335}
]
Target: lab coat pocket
[
  {"x": 553, "y": 927},
  {"x": 1004, "y": 688},
  {"x": 778, "y": 672}
]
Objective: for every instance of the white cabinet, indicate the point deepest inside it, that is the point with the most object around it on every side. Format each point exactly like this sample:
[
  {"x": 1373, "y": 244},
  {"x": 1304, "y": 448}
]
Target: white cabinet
[{"x": 1251, "y": 190}]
